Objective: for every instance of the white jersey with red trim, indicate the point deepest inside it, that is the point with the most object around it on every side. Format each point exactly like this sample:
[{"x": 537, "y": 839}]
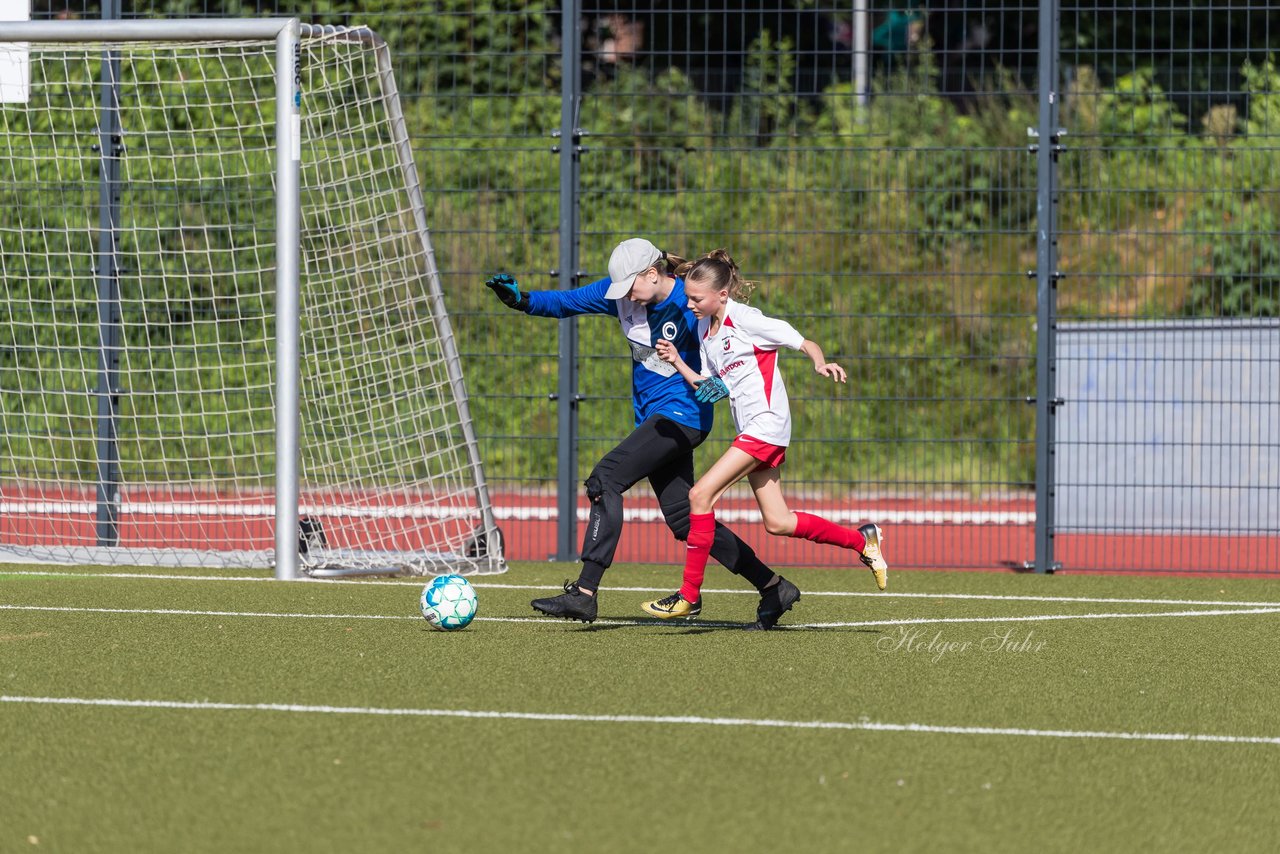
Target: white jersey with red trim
[{"x": 743, "y": 352}]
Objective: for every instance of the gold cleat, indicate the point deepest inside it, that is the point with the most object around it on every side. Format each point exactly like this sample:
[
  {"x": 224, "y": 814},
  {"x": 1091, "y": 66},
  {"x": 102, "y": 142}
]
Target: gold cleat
[
  {"x": 672, "y": 607},
  {"x": 872, "y": 556}
]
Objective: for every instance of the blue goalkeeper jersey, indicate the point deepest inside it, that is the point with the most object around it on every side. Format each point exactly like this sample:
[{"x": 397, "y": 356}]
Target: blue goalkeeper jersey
[{"x": 656, "y": 387}]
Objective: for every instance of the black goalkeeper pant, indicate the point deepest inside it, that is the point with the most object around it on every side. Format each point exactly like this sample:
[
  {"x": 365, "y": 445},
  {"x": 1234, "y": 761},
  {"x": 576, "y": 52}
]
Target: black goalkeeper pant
[{"x": 661, "y": 450}]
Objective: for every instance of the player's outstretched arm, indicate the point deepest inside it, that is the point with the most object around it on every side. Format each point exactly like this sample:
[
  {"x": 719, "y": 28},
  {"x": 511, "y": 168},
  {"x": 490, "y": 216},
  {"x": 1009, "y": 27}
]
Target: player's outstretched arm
[
  {"x": 820, "y": 363},
  {"x": 667, "y": 352},
  {"x": 507, "y": 289},
  {"x": 588, "y": 299}
]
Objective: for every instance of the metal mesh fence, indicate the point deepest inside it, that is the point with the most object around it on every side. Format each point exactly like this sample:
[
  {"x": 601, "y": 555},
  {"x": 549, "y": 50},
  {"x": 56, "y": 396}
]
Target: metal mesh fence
[
  {"x": 874, "y": 235},
  {"x": 1168, "y": 349},
  {"x": 875, "y": 167}
]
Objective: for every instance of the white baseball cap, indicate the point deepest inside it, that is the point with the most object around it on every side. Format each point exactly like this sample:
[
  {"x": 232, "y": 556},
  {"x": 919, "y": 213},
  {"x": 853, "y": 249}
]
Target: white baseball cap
[{"x": 630, "y": 258}]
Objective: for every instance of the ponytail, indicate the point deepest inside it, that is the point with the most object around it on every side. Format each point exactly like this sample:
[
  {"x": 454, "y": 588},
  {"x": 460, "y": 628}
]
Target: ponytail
[
  {"x": 673, "y": 263},
  {"x": 720, "y": 272}
]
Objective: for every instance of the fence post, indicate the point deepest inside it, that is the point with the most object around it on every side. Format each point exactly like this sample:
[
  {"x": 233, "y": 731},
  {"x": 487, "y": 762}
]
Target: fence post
[
  {"x": 567, "y": 548},
  {"x": 110, "y": 146},
  {"x": 1048, "y": 146},
  {"x": 861, "y": 56}
]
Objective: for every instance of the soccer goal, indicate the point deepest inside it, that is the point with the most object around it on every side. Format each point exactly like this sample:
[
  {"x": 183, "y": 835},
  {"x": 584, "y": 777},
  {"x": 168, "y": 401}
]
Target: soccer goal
[{"x": 223, "y": 340}]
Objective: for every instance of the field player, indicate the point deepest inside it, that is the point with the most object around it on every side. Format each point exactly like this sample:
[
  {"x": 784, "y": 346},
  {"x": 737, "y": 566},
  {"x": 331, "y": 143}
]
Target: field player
[
  {"x": 739, "y": 349},
  {"x": 650, "y": 305}
]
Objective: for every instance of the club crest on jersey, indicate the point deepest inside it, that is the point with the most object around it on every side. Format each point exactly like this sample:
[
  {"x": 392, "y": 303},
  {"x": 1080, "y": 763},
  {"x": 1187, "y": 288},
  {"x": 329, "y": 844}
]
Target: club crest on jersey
[
  {"x": 728, "y": 343},
  {"x": 669, "y": 331}
]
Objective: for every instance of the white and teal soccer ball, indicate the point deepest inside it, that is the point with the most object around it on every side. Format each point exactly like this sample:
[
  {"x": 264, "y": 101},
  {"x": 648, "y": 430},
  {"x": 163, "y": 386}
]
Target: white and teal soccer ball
[{"x": 448, "y": 602}]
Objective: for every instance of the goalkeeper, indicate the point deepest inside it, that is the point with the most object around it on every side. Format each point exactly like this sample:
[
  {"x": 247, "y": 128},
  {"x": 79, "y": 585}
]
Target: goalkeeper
[{"x": 649, "y": 303}]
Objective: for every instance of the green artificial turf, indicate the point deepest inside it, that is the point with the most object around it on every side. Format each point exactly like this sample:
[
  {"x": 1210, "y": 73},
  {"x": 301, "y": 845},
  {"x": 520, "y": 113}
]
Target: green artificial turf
[{"x": 81, "y": 778}]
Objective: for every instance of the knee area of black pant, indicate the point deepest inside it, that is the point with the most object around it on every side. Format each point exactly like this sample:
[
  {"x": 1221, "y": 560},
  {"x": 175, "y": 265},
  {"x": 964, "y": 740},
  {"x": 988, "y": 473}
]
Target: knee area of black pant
[
  {"x": 678, "y": 521},
  {"x": 680, "y": 529}
]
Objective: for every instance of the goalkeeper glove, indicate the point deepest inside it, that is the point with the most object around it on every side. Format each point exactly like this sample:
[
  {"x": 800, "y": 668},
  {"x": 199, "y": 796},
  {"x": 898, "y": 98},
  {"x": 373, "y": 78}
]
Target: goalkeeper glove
[
  {"x": 709, "y": 391},
  {"x": 508, "y": 290}
]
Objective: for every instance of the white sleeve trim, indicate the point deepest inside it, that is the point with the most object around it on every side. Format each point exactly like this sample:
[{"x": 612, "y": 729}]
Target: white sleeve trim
[{"x": 769, "y": 331}]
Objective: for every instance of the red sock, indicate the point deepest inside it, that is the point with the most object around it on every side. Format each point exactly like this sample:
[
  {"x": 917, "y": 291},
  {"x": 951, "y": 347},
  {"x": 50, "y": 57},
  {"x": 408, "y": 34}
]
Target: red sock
[
  {"x": 702, "y": 533},
  {"x": 819, "y": 530}
]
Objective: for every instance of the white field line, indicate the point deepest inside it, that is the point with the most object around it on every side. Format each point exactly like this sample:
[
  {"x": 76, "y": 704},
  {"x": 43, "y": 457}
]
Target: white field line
[
  {"x": 180, "y": 612},
  {"x": 488, "y": 585},
  {"x": 663, "y": 720},
  {"x": 183, "y": 612},
  {"x": 1033, "y": 618}
]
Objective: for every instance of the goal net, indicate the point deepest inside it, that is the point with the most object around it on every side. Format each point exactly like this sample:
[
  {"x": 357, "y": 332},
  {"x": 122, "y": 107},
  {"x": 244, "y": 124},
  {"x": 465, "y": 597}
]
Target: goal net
[{"x": 166, "y": 396}]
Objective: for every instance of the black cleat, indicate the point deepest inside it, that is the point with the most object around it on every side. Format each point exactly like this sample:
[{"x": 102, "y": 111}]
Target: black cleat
[
  {"x": 774, "y": 602},
  {"x": 572, "y": 604}
]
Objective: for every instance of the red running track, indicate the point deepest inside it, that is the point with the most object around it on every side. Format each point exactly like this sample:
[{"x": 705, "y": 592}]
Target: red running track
[{"x": 952, "y": 534}]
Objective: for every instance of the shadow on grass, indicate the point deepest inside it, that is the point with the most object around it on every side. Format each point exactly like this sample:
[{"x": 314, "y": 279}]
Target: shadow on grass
[{"x": 702, "y": 628}]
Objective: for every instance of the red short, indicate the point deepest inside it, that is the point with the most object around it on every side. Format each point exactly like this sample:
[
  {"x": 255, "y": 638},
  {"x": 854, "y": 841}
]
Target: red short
[{"x": 770, "y": 456}]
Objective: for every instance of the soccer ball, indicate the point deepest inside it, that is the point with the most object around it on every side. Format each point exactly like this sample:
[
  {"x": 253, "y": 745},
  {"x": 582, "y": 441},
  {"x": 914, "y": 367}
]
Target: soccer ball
[{"x": 448, "y": 602}]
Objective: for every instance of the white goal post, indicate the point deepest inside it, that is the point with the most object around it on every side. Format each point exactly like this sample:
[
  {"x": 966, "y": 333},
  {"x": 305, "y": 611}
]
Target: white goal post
[{"x": 223, "y": 339}]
